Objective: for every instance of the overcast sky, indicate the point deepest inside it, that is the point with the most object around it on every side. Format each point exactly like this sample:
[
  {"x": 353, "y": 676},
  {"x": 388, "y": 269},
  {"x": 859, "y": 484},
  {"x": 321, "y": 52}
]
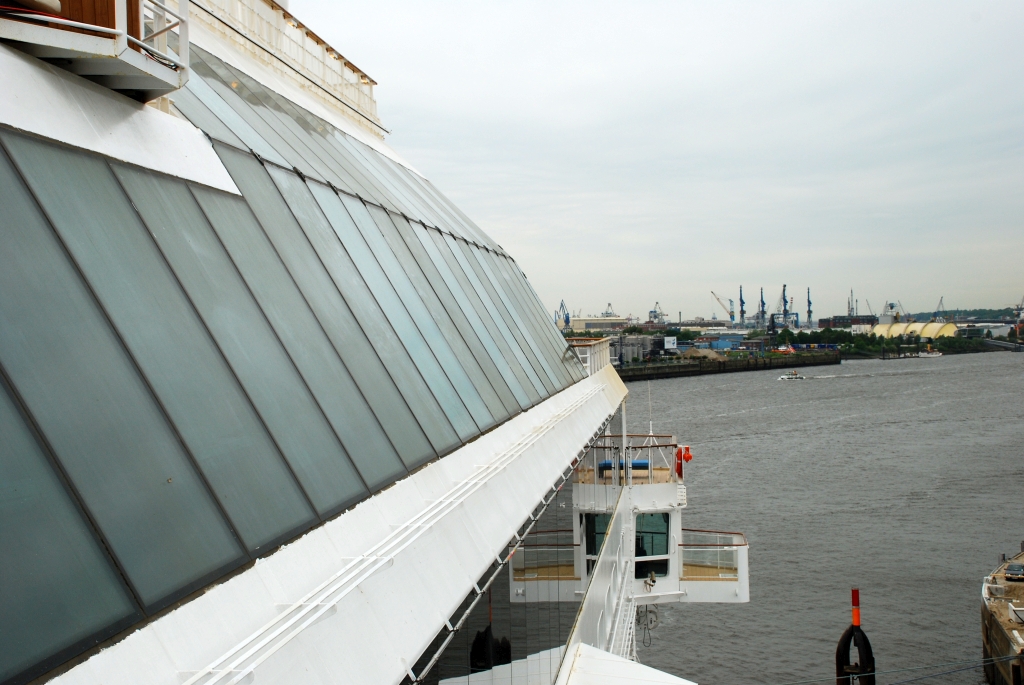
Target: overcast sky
[{"x": 640, "y": 152}]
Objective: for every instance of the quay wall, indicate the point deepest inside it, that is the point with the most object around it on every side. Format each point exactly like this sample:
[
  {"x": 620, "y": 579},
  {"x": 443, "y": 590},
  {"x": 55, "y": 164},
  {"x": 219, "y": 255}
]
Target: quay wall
[{"x": 700, "y": 367}]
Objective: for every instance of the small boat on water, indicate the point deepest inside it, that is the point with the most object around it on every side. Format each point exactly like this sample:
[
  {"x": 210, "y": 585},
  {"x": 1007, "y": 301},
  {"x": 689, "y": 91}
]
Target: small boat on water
[
  {"x": 793, "y": 375},
  {"x": 929, "y": 353}
]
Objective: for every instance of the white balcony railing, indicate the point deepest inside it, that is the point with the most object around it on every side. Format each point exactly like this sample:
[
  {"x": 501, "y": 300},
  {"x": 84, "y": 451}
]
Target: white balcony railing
[{"x": 131, "y": 56}]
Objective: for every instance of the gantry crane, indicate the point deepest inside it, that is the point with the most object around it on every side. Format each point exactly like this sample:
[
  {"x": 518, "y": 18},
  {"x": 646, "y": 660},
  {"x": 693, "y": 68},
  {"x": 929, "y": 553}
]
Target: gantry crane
[
  {"x": 743, "y": 311},
  {"x": 728, "y": 310}
]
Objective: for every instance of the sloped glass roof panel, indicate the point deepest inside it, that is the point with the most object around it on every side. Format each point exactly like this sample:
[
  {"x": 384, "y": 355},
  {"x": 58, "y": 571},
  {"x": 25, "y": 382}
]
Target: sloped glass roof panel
[
  {"x": 99, "y": 416},
  {"x": 528, "y": 380},
  {"x": 435, "y": 311},
  {"x": 279, "y": 292},
  {"x": 59, "y": 587},
  {"x": 363, "y": 361},
  {"x": 474, "y": 312},
  {"x": 241, "y": 330},
  {"x": 552, "y": 348},
  {"x": 407, "y": 247},
  {"x": 332, "y": 481},
  {"x": 461, "y": 250},
  {"x": 213, "y": 101},
  {"x": 282, "y": 116},
  {"x": 390, "y": 302},
  {"x": 533, "y": 307},
  {"x": 368, "y": 313},
  {"x": 523, "y": 327},
  {"x": 234, "y": 94},
  {"x": 428, "y": 327},
  {"x": 201, "y": 117},
  {"x": 166, "y": 337}
]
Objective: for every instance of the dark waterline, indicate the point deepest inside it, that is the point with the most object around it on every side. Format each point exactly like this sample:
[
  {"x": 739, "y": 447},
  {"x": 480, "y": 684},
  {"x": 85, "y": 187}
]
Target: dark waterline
[{"x": 904, "y": 478}]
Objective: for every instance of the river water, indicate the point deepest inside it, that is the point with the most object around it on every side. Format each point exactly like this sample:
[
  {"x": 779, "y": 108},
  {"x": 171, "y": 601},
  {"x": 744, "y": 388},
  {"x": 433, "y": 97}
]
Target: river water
[{"x": 904, "y": 478}]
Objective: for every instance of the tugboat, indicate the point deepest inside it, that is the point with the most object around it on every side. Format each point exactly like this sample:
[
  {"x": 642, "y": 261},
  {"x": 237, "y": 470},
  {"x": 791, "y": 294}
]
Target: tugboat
[{"x": 793, "y": 375}]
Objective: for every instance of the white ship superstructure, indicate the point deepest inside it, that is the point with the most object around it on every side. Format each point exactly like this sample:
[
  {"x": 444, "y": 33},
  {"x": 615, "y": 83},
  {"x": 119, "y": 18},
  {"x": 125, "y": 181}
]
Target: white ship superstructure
[{"x": 272, "y": 408}]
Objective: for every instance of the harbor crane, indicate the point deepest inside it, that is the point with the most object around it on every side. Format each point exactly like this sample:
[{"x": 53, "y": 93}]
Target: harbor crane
[
  {"x": 868, "y": 303},
  {"x": 743, "y": 311},
  {"x": 809, "y": 319},
  {"x": 762, "y": 311},
  {"x": 562, "y": 317},
  {"x": 728, "y": 310},
  {"x": 940, "y": 314}
]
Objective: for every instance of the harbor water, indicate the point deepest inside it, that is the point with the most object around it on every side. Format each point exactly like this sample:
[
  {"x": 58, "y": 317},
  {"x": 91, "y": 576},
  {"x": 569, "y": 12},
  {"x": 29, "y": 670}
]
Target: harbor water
[{"x": 904, "y": 478}]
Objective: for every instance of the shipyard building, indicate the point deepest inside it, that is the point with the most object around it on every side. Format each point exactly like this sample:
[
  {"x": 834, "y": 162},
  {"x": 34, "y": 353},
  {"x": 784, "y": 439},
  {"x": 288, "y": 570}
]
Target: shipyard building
[{"x": 272, "y": 407}]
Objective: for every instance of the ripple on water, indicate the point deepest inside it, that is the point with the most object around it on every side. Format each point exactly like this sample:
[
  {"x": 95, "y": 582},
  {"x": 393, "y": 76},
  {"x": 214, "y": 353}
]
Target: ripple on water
[{"x": 907, "y": 482}]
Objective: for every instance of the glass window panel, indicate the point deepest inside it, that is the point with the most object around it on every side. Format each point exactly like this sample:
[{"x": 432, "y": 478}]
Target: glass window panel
[
  {"x": 417, "y": 235},
  {"x": 318, "y": 136},
  {"x": 202, "y": 118},
  {"x": 59, "y": 588},
  {"x": 396, "y": 313},
  {"x": 500, "y": 335},
  {"x": 406, "y": 203},
  {"x": 199, "y": 87},
  {"x": 454, "y": 333},
  {"x": 229, "y": 93},
  {"x": 372, "y": 320},
  {"x": 529, "y": 294},
  {"x": 341, "y": 326},
  {"x": 300, "y": 331},
  {"x": 406, "y": 246},
  {"x": 428, "y": 326},
  {"x": 501, "y": 316},
  {"x": 271, "y": 111},
  {"x": 506, "y": 308},
  {"x": 167, "y": 339},
  {"x": 234, "y": 319},
  {"x": 99, "y": 416},
  {"x": 524, "y": 328},
  {"x": 532, "y": 315}
]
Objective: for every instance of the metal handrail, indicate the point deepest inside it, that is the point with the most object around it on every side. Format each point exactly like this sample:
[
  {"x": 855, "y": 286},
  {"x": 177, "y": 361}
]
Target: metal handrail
[{"x": 47, "y": 19}]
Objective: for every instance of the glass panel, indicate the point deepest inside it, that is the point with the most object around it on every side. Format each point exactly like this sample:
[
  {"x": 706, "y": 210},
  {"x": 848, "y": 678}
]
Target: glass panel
[
  {"x": 499, "y": 333},
  {"x": 651, "y": 535},
  {"x": 385, "y": 326},
  {"x": 98, "y": 415},
  {"x": 515, "y": 322},
  {"x": 428, "y": 325},
  {"x": 59, "y": 587},
  {"x": 501, "y": 317},
  {"x": 271, "y": 111},
  {"x": 228, "y": 116},
  {"x": 549, "y": 340},
  {"x": 302, "y": 335},
  {"x": 371, "y": 319},
  {"x": 341, "y": 326},
  {"x": 529, "y": 295},
  {"x": 167, "y": 339},
  {"x": 202, "y": 118},
  {"x": 328, "y": 475},
  {"x": 389, "y": 300},
  {"x": 418, "y": 235},
  {"x": 245, "y": 338},
  {"x": 410, "y": 251},
  {"x": 230, "y": 93}
]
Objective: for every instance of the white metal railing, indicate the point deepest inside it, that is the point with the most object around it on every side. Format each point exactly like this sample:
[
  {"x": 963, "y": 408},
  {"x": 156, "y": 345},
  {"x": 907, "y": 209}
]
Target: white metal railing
[
  {"x": 710, "y": 555},
  {"x": 157, "y": 20},
  {"x": 155, "y": 17}
]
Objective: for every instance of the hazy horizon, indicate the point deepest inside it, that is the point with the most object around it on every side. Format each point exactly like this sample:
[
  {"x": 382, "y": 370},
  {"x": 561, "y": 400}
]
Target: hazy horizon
[{"x": 656, "y": 152}]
